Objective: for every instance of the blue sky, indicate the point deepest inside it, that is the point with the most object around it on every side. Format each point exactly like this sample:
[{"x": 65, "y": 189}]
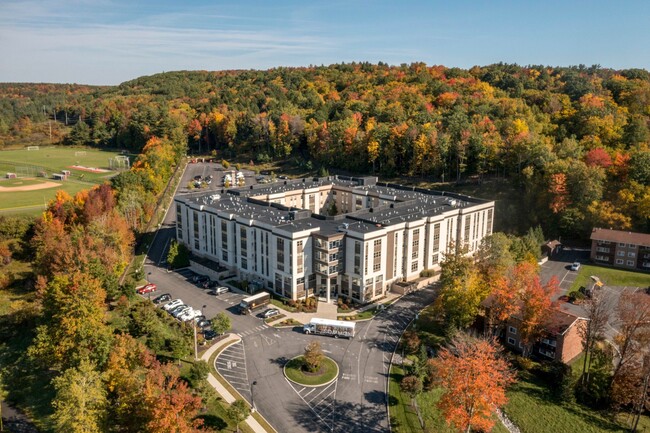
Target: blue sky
[{"x": 111, "y": 41}]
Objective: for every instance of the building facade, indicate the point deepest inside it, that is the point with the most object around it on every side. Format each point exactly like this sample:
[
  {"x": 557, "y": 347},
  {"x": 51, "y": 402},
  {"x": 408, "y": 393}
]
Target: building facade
[
  {"x": 334, "y": 236},
  {"x": 627, "y": 250}
]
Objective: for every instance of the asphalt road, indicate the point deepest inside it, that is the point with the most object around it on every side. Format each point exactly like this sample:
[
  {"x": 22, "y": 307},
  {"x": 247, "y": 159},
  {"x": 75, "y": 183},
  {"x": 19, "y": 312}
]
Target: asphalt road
[{"x": 355, "y": 402}]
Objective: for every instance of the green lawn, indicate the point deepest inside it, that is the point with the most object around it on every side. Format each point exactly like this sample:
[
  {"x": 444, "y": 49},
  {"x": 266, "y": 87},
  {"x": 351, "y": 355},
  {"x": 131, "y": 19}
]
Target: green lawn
[
  {"x": 403, "y": 415},
  {"x": 293, "y": 370},
  {"x": 19, "y": 201},
  {"x": 610, "y": 277},
  {"x": 533, "y": 411},
  {"x": 51, "y": 160}
]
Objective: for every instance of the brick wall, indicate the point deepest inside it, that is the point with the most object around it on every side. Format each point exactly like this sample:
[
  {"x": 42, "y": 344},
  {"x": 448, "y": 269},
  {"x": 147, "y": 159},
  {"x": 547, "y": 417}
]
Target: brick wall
[{"x": 570, "y": 344}]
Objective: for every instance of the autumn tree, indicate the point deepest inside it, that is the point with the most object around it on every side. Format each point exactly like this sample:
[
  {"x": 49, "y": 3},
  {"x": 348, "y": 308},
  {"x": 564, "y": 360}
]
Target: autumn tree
[
  {"x": 171, "y": 406},
  {"x": 633, "y": 312},
  {"x": 597, "y": 314},
  {"x": 73, "y": 325},
  {"x": 313, "y": 356},
  {"x": 221, "y": 323},
  {"x": 80, "y": 401},
  {"x": 536, "y": 309},
  {"x": 461, "y": 290},
  {"x": 238, "y": 412},
  {"x": 474, "y": 377},
  {"x": 411, "y": 385}
]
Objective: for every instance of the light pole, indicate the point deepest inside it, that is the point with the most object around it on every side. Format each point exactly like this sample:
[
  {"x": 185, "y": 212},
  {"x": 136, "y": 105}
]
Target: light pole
[
  {"x": 196, "y": 348},
  {"x": 252, "y": 398}
]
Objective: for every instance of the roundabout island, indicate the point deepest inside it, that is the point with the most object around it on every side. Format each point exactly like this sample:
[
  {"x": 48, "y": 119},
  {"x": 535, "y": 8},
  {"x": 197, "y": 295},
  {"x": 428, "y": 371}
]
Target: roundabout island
[{"x": 297, "y": 370}]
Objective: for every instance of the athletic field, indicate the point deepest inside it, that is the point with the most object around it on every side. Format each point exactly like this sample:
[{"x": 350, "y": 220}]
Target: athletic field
[{"x": 29, "y": 193}]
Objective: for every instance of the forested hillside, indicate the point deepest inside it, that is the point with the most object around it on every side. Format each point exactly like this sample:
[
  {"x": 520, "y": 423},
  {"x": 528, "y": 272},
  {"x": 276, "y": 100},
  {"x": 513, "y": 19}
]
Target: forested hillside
[{"x": 573, "y": 141}]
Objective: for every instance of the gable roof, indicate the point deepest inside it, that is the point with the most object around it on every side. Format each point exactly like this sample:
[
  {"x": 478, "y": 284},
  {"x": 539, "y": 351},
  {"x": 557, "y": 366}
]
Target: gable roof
[{"x": 619, "y": 236}]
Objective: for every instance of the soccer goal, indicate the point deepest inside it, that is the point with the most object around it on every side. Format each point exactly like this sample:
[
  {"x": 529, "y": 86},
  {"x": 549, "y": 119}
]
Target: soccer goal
[
  {"x": 119, "y": 162},
  {"x": 33, "y": 147},
  {"x": 80, "y": 153}
]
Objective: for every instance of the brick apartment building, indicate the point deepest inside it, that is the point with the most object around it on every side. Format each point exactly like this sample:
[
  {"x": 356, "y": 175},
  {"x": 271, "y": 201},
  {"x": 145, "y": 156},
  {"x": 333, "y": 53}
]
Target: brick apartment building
[
  {"x": 561, "y": 340},
  {"x": 621, "y": 249}
]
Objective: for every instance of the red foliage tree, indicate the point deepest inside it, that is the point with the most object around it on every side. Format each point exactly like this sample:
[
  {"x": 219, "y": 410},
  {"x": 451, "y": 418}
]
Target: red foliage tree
[
  {"x": 474, "y": 378},
  {"x": 598, "y": 158}
]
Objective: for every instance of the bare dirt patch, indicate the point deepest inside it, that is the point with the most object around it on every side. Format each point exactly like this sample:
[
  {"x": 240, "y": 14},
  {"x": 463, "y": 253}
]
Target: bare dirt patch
[
  {"x": 44, "y": 185},
  {"x": 89, "y": 169}
]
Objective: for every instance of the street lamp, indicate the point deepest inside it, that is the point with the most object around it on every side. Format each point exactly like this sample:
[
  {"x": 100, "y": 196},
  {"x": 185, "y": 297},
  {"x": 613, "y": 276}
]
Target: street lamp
[
  {"x": 252, "y": 398},
  {"x": 196, "y": 348}
]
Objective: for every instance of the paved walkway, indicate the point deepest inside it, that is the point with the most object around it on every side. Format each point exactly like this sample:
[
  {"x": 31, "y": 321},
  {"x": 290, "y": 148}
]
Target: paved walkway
[
  {"x": 330, "y": 310},
  {"x": 221, "y": 390}
]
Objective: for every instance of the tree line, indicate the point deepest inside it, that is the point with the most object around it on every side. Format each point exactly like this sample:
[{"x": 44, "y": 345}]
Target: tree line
[{"x": 573, "y": 140}]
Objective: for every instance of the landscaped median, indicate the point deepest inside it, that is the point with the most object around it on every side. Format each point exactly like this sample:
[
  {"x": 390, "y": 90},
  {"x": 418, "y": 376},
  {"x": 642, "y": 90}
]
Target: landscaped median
[{"x": 294, "y": 371}]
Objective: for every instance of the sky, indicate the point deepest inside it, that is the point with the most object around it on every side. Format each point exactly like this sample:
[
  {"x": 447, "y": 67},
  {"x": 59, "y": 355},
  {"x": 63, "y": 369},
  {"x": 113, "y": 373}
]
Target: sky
[{"x": 106, "y": 42}]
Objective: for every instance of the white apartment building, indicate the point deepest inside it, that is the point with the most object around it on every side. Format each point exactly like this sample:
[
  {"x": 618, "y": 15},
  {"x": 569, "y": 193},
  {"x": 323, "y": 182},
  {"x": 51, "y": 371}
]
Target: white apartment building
[{"x": 330, "y": 237}]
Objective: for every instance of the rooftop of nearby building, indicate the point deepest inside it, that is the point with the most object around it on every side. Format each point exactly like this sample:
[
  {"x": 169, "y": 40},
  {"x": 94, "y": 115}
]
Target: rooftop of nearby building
[
  {"x": 620, "y": 236},
  {"x": 405, "y": 204}
]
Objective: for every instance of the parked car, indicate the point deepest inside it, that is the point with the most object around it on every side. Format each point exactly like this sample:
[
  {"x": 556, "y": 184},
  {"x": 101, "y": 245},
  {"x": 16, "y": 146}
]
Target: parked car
[
  {"x": 283, "y": 177},
  {"x": 200, "y": 279},
  {"x": 197, "y": 177},
  {"x": 209, "y": 334},
  {"x": 181, "y": 311},
  {"x": 189, "y": 315},
  {"x": 199, "y": 317},
  {"x": 146, "y": 289},
  {"x": 575, "y": 266},
  {"x": 203, "y": 323},
  {"x": 177, "y": 308},
  {"x": 220, "y": 290},
  {"x": 165, "y": 297},
  {"x": 271, "y": 312},
  {"x": 172, "y": 304}
]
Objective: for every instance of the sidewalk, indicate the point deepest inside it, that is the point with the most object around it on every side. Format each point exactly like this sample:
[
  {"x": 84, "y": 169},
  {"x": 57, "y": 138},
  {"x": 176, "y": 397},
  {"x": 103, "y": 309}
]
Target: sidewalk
[{"x": 221, "y": 390}]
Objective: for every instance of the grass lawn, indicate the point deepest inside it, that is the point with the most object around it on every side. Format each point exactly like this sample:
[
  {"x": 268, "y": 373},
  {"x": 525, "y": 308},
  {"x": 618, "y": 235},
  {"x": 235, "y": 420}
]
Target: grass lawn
[
  {"x": 293, "y": 370},
  {"x": 403, "y": 415},
  {"x": 29, "y": 200},
  {"x": 52, "y": 160},
  {"x": 10, "y": 183},
  {"x": 531, "y": 408},
  {"x": 429, "y": 328},
  {"x": 610, "y": 277}
]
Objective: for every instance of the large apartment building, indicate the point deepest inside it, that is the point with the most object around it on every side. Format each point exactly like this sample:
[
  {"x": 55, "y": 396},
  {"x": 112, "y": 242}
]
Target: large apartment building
[
  {"x": 627, "y": 250},
  {"x": 332, "y": 236}
]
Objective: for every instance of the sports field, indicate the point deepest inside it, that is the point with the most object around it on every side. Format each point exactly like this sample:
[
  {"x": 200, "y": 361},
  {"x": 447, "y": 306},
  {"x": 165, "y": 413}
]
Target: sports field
[{"x": 29, "y": 193}]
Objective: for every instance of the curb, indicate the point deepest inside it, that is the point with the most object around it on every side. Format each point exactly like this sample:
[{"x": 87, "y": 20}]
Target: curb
[{"x": 338, "y": 370}]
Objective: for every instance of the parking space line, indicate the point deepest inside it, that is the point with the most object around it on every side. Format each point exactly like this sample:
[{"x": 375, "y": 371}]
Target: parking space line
[{"x": 310, "y": 391}]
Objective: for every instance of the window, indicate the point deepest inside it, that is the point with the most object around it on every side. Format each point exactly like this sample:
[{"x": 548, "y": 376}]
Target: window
[
  {"x": 602, "y": 249},
  {"x": 468, "y": 219},
  {"x": 244, "y": 263},
  {"x": 631, "y": 254},
  {"x": 436, "y": 237},
  {"x": 357, "y": 257},
  {"x": 280, "y": 254},
  {"x": 333, "y": 257},
  {"x": 620, "y": 253},
  {"x": 334, "y": 244},
  {"x": 300, "y": 258},
  {"x": 512, "y": 330},
  {"x": 300, "y": 280},
  {"x": 621, "y": 245},
  {"x": 333, "y": 269},
  {"x": 395, "y": 256},
  {"x": 414, "y": 266},
  {"x": 489, "y": 222},
  {"x": 619, "y": 261},
  {"x": 415, "y": 251},
  {"x": 435, "y": 259},
  {"x": 631, "y": 245},
  {"x": 602, "y": 258},
  {"x": 630, "y": 262},
  {"x": 376, "y": 255},
  {"x": 511, "y": 341}
]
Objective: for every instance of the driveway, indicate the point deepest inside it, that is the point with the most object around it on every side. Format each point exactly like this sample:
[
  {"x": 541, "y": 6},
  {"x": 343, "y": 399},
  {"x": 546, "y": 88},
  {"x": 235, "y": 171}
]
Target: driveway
[{"x": 559, "y": 267}]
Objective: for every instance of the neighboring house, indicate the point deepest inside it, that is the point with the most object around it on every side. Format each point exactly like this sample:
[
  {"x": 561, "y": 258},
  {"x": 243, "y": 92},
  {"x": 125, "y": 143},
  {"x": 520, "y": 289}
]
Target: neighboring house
[
  {"x": 331, "y": 236},
  {"x": 621, "y": 249},
  {"x": 561, "y": 340}
]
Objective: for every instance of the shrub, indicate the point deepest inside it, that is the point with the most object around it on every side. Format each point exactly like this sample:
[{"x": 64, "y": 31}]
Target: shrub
[
  {"x": 263, "y": 158},
  {"x": 225, "y": 164},
  {"x": 525, "y": 364}
]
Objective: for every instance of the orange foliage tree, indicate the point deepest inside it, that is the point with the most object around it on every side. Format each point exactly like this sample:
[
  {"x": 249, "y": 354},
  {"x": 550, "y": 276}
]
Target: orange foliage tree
[{"x": 474, "y": 378}]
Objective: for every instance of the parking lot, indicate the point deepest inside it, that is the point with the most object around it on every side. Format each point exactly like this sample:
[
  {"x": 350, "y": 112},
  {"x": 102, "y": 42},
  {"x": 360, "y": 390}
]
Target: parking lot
[{"x": 231, "y": 364}]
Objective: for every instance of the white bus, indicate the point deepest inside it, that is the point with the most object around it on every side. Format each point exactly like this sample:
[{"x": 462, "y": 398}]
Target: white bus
[
  {"x": 335, "y": 328},
  {"x": 252, "y": 303}
]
